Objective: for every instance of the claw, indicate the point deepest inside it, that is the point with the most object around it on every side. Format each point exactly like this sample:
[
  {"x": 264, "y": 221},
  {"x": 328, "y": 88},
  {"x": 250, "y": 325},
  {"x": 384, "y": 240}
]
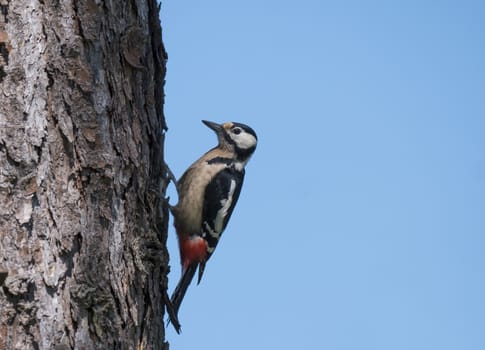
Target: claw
[{"x": 170, "y": 175}]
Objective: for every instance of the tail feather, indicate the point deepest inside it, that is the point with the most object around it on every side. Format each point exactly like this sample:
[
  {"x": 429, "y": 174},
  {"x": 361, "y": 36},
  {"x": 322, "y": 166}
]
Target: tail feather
[
  {"x": 201, "y": 271},
  {"x": 181, "y": 289}
]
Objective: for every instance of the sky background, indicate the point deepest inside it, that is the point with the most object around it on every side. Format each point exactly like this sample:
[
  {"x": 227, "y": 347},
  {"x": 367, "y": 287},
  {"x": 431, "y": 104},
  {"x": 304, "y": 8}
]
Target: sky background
[{"x": 361, "y": 223}]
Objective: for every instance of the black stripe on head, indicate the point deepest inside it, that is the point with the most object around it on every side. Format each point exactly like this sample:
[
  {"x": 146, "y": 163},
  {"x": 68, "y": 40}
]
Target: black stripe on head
[{"x": 228, "y": 138}]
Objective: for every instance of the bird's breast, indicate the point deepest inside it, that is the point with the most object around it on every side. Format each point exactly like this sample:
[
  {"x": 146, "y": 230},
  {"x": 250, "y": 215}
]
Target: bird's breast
[{"x": 188, "y": 211}]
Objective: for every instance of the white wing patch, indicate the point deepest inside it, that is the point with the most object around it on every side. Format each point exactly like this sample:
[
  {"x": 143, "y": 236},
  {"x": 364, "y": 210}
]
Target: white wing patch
[
  {"x": 222, "y": 213},
  {"x": 239, "y": 166},
  {"x": 226, "y": 204}
]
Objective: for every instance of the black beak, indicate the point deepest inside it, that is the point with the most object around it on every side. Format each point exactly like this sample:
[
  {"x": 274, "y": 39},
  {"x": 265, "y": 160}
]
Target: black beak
[{"x": 214, "y": 126}]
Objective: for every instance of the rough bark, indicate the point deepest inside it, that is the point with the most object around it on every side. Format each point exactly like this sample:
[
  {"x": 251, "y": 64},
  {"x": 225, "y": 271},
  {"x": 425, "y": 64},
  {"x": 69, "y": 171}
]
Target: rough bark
[{"x": 83, "y": 221}]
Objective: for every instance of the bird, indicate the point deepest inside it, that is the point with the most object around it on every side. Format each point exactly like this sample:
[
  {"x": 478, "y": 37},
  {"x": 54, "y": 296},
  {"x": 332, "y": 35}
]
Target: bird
[{"x": 207, "y": 194}]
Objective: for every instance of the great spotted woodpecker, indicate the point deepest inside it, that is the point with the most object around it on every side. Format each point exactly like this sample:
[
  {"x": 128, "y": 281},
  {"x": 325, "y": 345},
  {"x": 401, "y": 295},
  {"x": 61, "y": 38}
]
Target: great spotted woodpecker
[{"x": 207, "y": 194}]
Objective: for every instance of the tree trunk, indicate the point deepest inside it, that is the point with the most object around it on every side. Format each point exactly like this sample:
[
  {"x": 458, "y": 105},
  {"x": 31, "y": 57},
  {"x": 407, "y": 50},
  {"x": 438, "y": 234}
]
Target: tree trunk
[{"x": 83, "y": 220}]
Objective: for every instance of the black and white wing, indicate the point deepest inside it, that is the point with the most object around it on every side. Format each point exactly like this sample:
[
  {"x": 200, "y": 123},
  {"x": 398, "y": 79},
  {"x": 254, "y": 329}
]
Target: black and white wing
[{"x": 220, "y": 199}]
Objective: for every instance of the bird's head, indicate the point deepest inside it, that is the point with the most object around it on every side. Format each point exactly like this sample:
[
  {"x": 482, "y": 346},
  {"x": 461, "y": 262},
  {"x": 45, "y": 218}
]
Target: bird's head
[{"x": 236, "y": 137}]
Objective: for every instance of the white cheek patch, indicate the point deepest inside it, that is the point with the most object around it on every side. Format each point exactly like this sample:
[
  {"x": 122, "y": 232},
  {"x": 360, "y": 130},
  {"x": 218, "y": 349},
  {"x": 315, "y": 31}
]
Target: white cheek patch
[{"x": 245, "y": 140}]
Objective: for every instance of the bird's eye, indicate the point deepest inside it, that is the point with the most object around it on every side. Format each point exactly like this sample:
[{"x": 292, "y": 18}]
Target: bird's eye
[{"x": 237, "y": 131}]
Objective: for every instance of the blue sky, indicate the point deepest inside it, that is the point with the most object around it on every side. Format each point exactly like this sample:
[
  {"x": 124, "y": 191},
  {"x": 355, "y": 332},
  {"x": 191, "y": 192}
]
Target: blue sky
[{"x": 361, "y": 224}]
